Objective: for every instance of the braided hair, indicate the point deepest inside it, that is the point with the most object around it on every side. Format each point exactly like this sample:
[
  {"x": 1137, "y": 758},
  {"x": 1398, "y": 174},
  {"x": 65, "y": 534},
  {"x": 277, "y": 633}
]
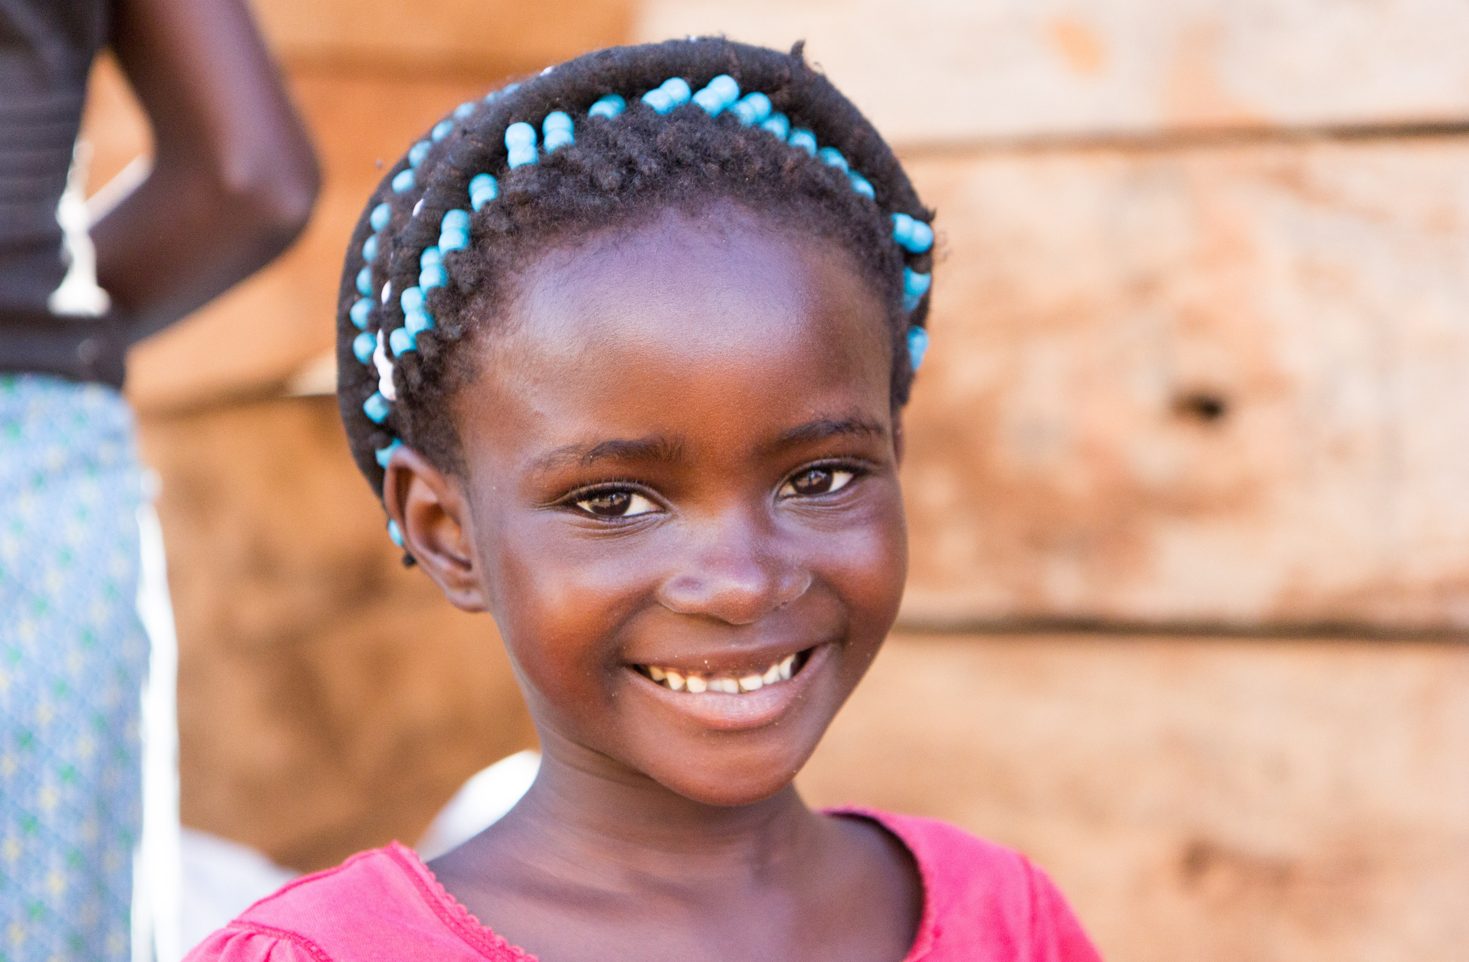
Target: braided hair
[{"x": 627, "y": 132}]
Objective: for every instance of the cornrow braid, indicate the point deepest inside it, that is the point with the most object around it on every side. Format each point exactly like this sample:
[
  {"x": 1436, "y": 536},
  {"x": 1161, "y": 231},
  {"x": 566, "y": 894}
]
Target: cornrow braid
[{"x": 610, "y": 138}]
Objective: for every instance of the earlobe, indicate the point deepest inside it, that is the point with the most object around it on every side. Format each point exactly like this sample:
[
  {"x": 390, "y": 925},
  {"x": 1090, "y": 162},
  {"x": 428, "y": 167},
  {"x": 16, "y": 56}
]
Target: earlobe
[{"x": 430, "y": 510}]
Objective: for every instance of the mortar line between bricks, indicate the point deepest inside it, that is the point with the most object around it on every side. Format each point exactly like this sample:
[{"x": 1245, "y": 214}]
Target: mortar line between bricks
[
  {"x": 1202, "y": 629},
  {"x": 1164, "y": 141}
]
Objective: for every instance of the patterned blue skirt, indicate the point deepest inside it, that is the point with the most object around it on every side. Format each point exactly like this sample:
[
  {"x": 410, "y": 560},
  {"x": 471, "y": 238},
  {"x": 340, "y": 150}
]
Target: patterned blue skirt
[{"x": 73, "y": 661}]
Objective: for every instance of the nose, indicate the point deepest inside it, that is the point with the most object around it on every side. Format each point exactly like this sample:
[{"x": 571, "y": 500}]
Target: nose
[{"x": 736, "y": 571}]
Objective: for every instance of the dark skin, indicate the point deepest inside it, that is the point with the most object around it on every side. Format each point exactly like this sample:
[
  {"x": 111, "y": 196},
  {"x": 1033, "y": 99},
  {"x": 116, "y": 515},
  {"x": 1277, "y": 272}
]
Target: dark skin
[
  {"x": 233, "y": 176},
  {"x": 669, "y": 465}
]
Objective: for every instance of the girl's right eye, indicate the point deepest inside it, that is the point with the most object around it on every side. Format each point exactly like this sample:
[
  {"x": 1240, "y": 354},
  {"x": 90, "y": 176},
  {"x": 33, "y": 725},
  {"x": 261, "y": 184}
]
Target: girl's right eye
[{"x": 614, "y": 503}]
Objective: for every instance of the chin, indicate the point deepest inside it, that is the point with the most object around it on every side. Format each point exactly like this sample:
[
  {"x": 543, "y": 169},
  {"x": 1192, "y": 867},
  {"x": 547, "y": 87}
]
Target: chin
[{"x": 736, "y": 779}]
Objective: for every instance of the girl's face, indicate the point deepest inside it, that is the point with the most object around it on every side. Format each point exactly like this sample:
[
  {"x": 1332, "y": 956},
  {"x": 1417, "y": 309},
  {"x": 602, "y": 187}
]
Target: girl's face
[{"x": 681, "y": 468}]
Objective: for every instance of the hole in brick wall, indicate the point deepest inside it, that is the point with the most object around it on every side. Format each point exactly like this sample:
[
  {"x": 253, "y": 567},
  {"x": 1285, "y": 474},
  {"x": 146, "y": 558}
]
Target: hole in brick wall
[{"x": 1203, "y": 407}]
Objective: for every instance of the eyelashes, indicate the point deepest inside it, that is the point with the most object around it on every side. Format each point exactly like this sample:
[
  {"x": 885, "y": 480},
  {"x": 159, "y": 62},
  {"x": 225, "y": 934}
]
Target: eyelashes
[
  {"x": 625, "y": 500},
  {"x": 818, "y": 480},
  {"x": 613, "y": 503}
]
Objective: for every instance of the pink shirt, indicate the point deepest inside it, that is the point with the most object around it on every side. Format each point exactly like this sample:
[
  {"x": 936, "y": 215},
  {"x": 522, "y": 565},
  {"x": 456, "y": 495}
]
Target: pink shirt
[{"x": 982, "y": 903}]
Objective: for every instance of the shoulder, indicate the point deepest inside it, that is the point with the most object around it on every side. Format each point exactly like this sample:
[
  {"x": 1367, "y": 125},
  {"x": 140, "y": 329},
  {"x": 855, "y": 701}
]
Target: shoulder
[
  {"x": 983, "y": 900},
  {"x": 382, "y": 904}
]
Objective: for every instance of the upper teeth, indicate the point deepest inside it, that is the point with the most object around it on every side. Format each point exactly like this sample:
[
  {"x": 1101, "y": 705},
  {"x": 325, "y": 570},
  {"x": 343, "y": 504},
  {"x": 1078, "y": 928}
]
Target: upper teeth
[{"x": 732, "y": 684}]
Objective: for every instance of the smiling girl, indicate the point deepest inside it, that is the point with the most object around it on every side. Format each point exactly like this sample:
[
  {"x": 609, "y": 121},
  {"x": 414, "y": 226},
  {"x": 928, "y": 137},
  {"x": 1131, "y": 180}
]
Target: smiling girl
[{"x": 624, "y": 350}]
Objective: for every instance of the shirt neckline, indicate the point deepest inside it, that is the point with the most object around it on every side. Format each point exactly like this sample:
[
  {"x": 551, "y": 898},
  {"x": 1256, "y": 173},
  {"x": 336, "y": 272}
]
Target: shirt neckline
[{"x": 464, "y": 923}]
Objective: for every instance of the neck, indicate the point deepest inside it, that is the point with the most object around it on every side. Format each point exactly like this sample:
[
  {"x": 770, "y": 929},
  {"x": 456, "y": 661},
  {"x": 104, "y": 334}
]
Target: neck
[{"x": 584, "y": 818}]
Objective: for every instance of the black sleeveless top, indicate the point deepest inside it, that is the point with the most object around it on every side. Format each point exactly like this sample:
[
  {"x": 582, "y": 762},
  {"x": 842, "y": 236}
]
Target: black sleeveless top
[{"x": 46, "y": 53}]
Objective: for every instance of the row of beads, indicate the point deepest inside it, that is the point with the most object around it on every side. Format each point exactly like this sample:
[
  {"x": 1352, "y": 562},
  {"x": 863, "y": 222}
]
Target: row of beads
[
  {"x": 370, "y": 348},
  {"x": 721, "y": 94},
  {"x": 404, "y": 181}
]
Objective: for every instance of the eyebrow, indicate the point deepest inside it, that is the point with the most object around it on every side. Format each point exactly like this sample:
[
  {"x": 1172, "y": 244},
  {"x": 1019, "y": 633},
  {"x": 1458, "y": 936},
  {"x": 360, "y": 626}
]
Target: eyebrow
[
  {"x": 824, "y": 428},
  {"x": 652, "y": 449},
  {"x": 657, "y": 449}
]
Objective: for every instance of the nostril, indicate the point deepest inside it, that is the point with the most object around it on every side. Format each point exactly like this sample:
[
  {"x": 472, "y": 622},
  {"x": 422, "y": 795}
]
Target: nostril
[
  {"x": 1201, "y": 407},
  {"x": 793, "y": 587}
]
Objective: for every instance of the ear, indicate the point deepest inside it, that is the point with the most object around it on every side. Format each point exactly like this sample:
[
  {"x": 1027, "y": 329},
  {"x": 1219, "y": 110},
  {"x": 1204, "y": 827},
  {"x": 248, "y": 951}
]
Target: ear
[{"x": 431, "y": 511}]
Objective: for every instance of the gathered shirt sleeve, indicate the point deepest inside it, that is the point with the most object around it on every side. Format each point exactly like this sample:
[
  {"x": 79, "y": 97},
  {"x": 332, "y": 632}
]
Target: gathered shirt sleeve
[{"x": 243, "y": 942}]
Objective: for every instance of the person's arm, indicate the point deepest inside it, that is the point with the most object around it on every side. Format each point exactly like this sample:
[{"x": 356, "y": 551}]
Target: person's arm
[{"x": 233, "y": 176}]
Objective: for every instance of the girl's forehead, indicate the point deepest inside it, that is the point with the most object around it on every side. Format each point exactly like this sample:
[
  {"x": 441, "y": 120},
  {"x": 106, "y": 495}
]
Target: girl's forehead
[
  {"x": 716, "y": 286},
  {"x": 678, "y": 311},
  {"x": 721, "y": 262}
]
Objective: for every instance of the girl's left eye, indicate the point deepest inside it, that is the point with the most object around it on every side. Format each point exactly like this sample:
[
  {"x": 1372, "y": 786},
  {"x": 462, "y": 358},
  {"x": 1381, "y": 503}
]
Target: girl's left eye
[
  {"x": 614, "y": 503},
  {"x": 817, "y": 481}
]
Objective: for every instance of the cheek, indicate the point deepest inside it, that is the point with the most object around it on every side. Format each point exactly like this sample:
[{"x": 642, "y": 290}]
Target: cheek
[
  {"x": 560, "y": 601},
  {"x": 868, "y": 565}
]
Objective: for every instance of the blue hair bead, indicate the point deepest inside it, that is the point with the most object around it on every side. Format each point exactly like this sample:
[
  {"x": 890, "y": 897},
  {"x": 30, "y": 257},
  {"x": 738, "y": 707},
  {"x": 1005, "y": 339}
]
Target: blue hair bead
[
  {"x": 395, "y": 533},
  {"x": 718, "y": 95},
  {"x": 362, "y": 347},
  {"x": 609, "y": 106},
  {"x": 360, "y": 312},
  {"x": 364, "y": 281},
  {"x": 917, "y": 345},
  {"x": 832, "y": 157},
  {"x": 369, "y": 249},
  {"x": 659, "y": 100},
  {"x": 902, "y": 230},
  {"x": 464, "y": 109},
  {"x": 430, "y": 256},
  {"x": 402, "y": 341},
  {"x": 725, "y": 87},
  {"x": 803, "y": 139},
  {"x": 752, "y": 109},
  {"x": 381, "y": 215},
  {"x": 678, "y": 90},
  {"x": 417, "y": 321},
  {"x": 861, "y": 185},
  {"x": 778, "y": 124},
  {"x": 456, "y": 220},
  {"x": 557, "y": 130},
  {"x": 376, "y": 407},
  {"x": 412, "y": 300},
  {"x": 521, "y": 155},
  {"x": 922, "y": 238},
  {"x": 441, "y": 130},
  {"x": 385, "y": 454},
  {"x": 418, "y": 152},
  {"x": 520, "y": 144},
  {"x": 404, "y": 180},
  {"x": 434, "y": 275},
  {"x": 483, "y": 188},
  {"x": 712, "y": 103},
  {"x": 915, "y": 285},
  {"x": 453, "y": 240},
  {"x": 911, "y": 234}
]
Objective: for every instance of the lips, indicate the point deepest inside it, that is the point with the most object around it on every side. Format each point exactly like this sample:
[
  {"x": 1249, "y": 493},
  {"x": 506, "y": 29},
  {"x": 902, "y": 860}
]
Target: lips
[{"x": 730, "y": 698}]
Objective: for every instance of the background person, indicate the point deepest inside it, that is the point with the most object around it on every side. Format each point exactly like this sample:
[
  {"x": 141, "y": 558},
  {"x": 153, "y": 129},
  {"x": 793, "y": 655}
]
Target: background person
[{"x": 231, "y": 183}]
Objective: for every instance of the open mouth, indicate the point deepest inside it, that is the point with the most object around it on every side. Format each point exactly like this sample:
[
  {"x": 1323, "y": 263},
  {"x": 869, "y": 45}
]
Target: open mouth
[{"x": 730, "y": 683}]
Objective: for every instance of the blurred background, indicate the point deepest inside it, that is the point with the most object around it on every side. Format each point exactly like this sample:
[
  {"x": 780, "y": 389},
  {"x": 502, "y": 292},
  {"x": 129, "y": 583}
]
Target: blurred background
[{"x": 1188, "y": 478}]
